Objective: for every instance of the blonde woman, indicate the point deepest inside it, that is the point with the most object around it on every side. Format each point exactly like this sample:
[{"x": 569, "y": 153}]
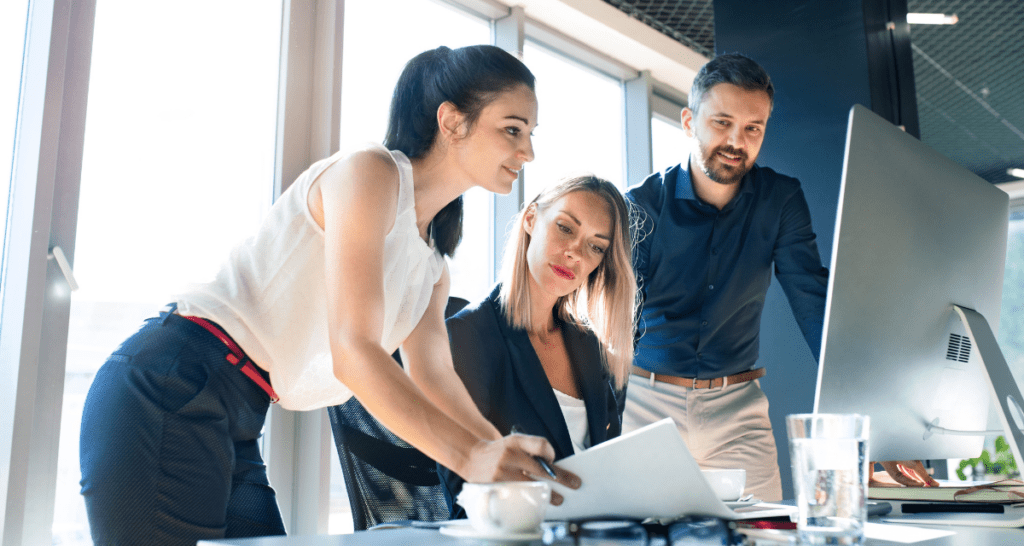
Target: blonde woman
[{"x": 548, "y": 352}]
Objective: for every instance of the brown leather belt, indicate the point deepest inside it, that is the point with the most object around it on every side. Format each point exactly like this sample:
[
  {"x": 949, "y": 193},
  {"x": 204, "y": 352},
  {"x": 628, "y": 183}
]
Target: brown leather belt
[{"x": 690, "y": 383}]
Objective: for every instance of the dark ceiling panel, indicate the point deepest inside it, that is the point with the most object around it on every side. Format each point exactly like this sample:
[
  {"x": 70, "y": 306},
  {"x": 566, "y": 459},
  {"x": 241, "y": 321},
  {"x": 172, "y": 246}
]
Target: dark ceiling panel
[
  {"x": 969, "y": 76},
  {"x": 690, "y": 22},
  {"x": 970, "y": 83}
]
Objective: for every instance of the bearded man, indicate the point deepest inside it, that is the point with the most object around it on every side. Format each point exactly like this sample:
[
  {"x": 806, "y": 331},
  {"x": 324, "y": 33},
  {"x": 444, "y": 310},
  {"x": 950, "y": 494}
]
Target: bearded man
[{"x": 711, "y": 231}]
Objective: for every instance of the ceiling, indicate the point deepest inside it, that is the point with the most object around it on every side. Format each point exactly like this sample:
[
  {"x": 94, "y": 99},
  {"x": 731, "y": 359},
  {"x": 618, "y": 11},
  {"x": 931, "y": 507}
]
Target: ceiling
[{"x": 969, "y": 77}]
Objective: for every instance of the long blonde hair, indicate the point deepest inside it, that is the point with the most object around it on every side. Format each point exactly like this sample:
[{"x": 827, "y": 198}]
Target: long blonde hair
[{"x": 606, "y": 302}]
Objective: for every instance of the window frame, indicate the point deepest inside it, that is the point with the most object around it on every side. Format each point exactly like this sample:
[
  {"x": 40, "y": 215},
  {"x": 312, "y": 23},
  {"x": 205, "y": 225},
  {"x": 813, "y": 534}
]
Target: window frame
[{"x": 43, "y": 215}]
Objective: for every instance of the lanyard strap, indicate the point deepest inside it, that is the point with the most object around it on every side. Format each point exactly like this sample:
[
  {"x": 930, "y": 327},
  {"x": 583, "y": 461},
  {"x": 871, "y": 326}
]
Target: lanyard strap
[{"x": 237, "y": 356}]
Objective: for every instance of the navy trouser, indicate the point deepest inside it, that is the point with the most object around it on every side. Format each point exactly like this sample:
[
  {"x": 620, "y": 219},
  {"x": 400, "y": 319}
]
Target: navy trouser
[{"x": 168, "y": 445}]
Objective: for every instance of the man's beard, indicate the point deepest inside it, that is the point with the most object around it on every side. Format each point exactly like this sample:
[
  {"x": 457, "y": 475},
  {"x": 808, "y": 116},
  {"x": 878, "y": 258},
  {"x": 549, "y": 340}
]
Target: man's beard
[{"x": 723, "y": 174}]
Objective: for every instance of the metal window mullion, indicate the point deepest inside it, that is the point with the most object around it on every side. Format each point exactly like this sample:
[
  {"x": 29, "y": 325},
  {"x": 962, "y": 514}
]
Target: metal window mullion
[
  {"x": 509, "y": 33},
  {"x": 668, "y": 110},
  {"x": 637, "y": 101},
  {"x": 44, "y": 212},
  {"x": 297, "y": 445}
]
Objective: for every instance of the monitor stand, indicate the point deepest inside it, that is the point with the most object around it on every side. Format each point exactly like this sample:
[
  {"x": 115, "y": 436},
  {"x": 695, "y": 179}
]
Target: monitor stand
[
  {"x": 1004, "y": 389},
  {"x": 1008, "y": 397}
]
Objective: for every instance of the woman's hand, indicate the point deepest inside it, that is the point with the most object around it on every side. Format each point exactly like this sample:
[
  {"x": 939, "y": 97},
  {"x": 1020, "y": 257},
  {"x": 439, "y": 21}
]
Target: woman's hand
[{"x": 512, "y": 459}]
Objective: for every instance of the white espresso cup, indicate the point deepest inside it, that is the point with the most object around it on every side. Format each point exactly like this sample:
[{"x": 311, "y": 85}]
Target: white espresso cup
[
  {"x": 505, "y": 507},
  {"x": 727, "y": 484}
]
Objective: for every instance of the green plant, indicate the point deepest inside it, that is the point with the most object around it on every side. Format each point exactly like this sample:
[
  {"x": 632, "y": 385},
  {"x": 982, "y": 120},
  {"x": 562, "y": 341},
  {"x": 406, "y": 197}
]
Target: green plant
[{"x": 1003, "y": 463}]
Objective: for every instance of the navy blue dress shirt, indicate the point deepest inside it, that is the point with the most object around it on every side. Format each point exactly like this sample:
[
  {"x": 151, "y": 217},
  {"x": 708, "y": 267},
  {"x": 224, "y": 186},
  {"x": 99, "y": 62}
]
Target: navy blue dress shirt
[{"x": 703, "y": 273}]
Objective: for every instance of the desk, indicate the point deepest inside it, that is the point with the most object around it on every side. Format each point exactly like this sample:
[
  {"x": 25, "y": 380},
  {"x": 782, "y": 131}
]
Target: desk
[{"x": 965, "y": 536}]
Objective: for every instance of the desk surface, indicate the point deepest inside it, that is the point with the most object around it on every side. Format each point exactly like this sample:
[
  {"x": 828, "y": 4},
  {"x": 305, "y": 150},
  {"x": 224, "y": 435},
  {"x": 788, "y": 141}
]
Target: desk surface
[{"x": 965, "y": 536}]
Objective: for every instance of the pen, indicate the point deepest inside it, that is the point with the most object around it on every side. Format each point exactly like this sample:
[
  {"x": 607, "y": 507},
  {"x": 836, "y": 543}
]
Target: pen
[
  {"x": 540, "y": 460},
  {"x": 547, "y": 467}
]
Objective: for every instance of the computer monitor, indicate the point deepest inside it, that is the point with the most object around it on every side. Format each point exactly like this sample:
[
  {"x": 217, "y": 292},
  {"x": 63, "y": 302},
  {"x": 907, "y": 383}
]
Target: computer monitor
[{"x": 914, "y": 298}]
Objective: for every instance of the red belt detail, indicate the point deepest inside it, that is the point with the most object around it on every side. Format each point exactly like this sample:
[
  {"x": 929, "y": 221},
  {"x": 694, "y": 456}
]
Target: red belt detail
[{"x": 237, "y": 356}]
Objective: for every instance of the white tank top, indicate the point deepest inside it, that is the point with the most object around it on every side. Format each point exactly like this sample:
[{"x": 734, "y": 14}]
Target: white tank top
[
  {"x": 271, "y": 298},
  {"x": 574, "y": 411}
]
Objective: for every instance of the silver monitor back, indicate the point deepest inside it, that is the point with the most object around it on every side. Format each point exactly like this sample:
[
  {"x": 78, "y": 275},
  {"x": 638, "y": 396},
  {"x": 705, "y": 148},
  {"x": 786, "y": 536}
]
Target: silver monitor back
[{"x": 915, "y": 234}]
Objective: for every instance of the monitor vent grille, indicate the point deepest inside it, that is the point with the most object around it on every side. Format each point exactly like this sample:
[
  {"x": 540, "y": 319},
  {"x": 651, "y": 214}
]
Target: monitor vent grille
[{"x": 959, "y": 348}]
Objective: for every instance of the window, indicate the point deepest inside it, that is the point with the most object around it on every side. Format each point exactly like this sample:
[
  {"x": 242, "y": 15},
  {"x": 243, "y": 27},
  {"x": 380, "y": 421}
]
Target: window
[
  {"x": 470, "y": 267},
  {"x": 1011, "y": 318},
  {"x": 1012, "y": 313},
  {"x": 580, "y": 122},
  {"x": 669, "y": 144},
  {"x": 374, "y": 55},
  {"x": 12, "y": 40},
  {"x": 178, "y": 166}
]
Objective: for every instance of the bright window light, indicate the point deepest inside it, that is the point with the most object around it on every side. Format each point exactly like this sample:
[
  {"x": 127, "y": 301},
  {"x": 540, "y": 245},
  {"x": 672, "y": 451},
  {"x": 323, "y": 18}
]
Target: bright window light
[
  {"x": 576, "y": 132},
  {"x": 178, "y": 132},
  {"x": 932, "y": 19},
  {"x": 669, "y": 145},
  {"x": 1019, "y": 173}
]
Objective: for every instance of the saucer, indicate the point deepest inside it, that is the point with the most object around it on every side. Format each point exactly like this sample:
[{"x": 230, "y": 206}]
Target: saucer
[
  {"x": 462, "y": 529},
  {"x": 732, "y": 505}
]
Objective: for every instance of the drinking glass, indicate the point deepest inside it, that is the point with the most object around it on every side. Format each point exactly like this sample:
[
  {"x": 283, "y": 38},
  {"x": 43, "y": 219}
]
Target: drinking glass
[{"x": 829, "y": 454}]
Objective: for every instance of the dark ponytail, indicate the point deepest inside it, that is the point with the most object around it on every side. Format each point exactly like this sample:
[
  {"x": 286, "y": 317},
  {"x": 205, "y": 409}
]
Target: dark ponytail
[{"x": 468, "y": 77}]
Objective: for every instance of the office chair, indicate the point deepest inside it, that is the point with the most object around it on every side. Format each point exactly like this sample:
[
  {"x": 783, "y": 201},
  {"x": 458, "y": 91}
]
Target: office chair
[{"x": 386, "y": 478}]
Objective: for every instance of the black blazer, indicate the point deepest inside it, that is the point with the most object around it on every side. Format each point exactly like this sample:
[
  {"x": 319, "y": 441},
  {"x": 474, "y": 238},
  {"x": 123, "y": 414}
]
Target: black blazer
[{"x": 502, "y": 373}]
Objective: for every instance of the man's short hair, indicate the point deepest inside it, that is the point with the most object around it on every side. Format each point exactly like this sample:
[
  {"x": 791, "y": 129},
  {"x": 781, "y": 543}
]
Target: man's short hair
[{"x": 733, "y": 68}]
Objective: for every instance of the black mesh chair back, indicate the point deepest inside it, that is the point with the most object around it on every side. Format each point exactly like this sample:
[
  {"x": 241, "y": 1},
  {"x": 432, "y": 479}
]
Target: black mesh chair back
[{"x": 386, "y": 478}]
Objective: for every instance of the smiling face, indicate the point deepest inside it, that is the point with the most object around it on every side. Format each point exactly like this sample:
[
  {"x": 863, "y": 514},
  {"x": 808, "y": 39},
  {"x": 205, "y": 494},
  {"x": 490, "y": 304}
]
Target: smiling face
[
  {"x": 728, "y": 131},
  {"x": 497, "y": 145},
  {"x": 569, "y": 238}
]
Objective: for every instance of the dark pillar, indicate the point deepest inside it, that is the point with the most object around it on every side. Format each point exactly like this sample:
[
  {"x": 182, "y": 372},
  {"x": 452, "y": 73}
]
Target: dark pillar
[{"x": 823, "y": 58}]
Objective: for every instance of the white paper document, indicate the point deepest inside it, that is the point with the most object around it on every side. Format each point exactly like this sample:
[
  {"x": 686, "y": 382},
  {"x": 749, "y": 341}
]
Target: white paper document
[
  {"x": 905, "y": 534},
  {"x": 646, "y": 473}
]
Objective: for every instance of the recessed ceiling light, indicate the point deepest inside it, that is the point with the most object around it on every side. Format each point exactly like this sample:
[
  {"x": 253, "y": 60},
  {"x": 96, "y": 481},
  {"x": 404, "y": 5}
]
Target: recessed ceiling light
[
  {"x": 1019, "y": 173},
  {"x": 932, "y": 19}
]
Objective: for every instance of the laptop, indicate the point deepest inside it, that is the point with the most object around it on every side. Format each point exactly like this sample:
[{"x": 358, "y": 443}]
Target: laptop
[{"x": 647, "y": 473}]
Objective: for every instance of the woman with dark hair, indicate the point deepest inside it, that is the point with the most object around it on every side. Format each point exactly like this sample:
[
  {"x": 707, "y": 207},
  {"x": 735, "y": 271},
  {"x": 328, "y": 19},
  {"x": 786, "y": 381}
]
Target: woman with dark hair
[
  {"x": 548, "y": 352},
  {"x": 347, "y": 267}
]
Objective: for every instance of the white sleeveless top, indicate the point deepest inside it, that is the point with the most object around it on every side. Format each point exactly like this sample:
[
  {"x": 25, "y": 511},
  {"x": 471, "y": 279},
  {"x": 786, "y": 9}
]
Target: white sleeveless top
[
  {"x": 574, "y": 411},
  {"x": 271, "y": 295}
]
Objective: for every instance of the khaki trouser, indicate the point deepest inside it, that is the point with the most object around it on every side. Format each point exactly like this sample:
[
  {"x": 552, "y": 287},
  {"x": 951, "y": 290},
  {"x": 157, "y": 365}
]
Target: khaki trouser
[{"x": 725, "y": 427}]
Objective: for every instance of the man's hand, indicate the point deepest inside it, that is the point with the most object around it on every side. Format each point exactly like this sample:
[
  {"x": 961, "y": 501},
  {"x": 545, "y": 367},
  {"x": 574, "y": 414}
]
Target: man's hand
[{"x": 908, "y": 473}]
